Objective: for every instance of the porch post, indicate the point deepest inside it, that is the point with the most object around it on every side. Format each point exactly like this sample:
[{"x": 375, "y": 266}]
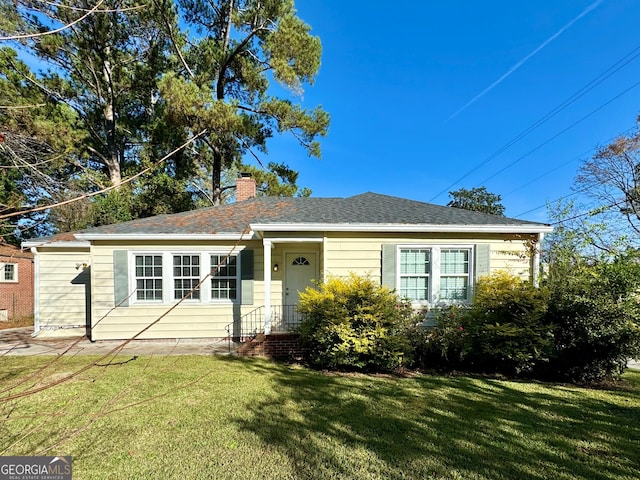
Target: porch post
[{"x": 267, "y": 285}]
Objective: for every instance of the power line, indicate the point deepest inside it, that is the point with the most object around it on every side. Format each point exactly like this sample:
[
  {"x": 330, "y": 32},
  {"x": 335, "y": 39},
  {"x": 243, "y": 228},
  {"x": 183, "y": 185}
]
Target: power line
[
  {"x": 578, "y": 157},
  {"x": 560, "y": 133},
  {"x": 591, "y": 212},
  {"x": 553, "y": 201},
  {"x": 628, "y": 58},
  {"x": 584, "y": 189}
]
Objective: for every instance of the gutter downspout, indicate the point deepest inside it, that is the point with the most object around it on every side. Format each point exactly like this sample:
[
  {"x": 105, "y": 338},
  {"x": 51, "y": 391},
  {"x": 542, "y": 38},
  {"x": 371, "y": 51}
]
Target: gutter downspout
[
  {"x": 536, "y": 261},
  {"x": 36, "y": 291},
  {"x": 267, "y": 244}
]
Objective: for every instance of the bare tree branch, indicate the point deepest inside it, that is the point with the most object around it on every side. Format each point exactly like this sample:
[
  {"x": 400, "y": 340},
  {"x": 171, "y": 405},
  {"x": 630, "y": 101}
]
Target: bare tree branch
[
  {"x": 107, "y": 189},
  {"x": 50, "y": 32}
]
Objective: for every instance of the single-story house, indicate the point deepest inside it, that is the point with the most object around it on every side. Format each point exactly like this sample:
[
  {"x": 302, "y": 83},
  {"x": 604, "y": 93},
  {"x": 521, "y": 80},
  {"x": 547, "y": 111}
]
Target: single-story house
[
  {"x": 16, "y": 282},
  {"x": 249, "y": 260}
]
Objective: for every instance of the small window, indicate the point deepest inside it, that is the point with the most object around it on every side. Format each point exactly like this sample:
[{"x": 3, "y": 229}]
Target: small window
[
  {"x": 300, "y": 261},
  {"x": 10, "y": 272},
  {"x": 186, "y": 275},
  {"x": 148, "y": 277},
  {"x": 224, "y": 277}
]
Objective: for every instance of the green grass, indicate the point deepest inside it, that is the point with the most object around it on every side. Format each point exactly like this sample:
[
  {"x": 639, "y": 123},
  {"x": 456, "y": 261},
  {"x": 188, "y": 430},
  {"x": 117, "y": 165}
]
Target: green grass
[{"x": 225, "y": 418}]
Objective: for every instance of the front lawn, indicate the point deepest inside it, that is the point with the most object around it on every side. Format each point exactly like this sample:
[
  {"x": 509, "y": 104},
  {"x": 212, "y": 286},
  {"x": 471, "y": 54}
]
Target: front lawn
[{"x": 225, "y": 418}]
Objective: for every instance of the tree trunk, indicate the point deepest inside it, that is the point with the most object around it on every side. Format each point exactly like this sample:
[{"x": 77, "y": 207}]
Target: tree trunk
[
  {"x": 113, "y": 159},
  {"x": 216, "y": 174}
]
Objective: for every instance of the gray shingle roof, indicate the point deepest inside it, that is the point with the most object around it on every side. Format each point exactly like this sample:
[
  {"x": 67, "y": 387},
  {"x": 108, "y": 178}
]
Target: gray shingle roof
[{"x": 365, "y": 209}]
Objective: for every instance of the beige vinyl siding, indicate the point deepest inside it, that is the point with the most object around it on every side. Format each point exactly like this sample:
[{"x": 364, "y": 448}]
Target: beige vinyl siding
[
  {"x": 62, "y": 301},
  {"x": 352, "y": 255},
  {"x": 362, "y": 254},
  {"x": 190, "y": 319},
  {"x": 338, "y": 255},
  {"x": 511, "y": 256}
]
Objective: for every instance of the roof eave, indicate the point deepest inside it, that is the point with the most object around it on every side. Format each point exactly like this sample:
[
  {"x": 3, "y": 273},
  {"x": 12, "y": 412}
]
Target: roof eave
[
  {"x": 401, "y": 228},
  {"x": 164, "y": 236},
  {"x": 56, "y": 244}
]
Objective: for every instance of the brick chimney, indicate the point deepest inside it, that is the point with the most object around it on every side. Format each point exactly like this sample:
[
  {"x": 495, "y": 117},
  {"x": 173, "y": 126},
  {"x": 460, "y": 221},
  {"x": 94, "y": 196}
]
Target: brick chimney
[{"x": 245, "y": 187}]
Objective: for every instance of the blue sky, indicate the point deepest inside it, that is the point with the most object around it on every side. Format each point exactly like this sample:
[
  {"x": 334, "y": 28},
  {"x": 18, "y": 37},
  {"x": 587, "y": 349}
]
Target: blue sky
[{"x": 424, "y": 93}]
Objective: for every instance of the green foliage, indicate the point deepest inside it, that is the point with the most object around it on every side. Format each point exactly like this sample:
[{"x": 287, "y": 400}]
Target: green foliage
[
  {"x": 224, "y": 85},
  {"x": 595, "y": 310},
  {"x": 506, "y": 330},
  {"x": 582, "y": 326},
  {"x": 114, "y": 207},
  {"x": 92, "y": 109},
  {"x": 162, "y": 193},
  {"x": 355, "y": 323},
  {"x": 35, "y": 129},
  {"x": 441, "y": 346},
  {"x": 477, "y": 200},
  {"x": 134, "y": 80}
]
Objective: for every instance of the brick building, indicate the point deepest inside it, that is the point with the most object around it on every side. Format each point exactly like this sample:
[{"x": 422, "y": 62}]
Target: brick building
[{"x": 16, "y": 282}]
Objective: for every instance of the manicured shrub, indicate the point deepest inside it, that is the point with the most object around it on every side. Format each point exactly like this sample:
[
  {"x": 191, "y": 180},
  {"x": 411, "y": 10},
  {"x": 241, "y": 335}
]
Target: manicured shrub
[
  {"x": 595, "y": 311},
  {"x": 506, "y": 330},
  {"x": 354, "y": 323}
]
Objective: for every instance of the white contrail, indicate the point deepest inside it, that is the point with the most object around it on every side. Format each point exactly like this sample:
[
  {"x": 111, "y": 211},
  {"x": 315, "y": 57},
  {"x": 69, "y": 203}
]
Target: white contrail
[{"x": 521, "y": 62}]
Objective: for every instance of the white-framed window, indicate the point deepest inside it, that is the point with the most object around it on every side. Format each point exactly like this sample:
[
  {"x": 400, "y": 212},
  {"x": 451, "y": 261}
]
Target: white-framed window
[
  {"x": 454, "y": 274},
  {"x": 415, "y": 270},
  {"x": 167, "y": 277},
  {"x": 148, "y": 277},
  {"x": 224, "y": 277},
  {"x": 186, "y": 275},
  {"x": 434, "y": 273},
  {"x": 9, "y": 272}
]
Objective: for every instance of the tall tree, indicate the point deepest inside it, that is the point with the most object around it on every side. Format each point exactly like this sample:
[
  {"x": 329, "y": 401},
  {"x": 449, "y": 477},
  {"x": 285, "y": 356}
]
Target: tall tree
[
  {"x": 102, "y": 62},
  {"x": 36, "y": 134},
  {"x": 477, "y": 199},
  {"x": 129, "y": 85},
  {"x": 236, "y": 47}
]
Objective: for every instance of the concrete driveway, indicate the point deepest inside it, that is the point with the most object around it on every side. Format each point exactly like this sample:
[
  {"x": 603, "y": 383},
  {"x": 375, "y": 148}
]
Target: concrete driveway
[{"x": 18, "y": 341}]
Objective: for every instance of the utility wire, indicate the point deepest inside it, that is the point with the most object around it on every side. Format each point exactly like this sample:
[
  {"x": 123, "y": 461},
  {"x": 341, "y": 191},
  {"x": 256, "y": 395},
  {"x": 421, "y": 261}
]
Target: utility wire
[
  {"x": 578, "y": 157},
  {"x": 561, "y": 132},
  {"x": 545, "y": 204},
  {"x": 584, "y": 189},
  {"x": 50, "y": 32},
  {"x": 628, "y": 58},
  {"x": 591, "y": 212}
]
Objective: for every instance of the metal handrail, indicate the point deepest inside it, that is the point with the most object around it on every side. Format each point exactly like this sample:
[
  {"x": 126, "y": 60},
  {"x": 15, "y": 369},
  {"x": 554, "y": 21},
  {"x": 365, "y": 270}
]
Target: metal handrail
[{"x": 284, "y": 319}]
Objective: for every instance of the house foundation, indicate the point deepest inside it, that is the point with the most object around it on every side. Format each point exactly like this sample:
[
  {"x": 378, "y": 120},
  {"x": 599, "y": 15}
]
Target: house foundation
[{"x": 278, "y": 345}]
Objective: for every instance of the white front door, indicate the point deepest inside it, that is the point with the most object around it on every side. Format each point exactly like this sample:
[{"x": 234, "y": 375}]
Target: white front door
[{"x": 300, "y": 270}]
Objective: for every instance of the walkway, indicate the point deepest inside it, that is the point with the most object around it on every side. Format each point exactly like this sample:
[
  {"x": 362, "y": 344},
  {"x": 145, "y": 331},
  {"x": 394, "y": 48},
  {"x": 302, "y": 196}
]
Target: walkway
[{"x": 18, "y": 341}]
